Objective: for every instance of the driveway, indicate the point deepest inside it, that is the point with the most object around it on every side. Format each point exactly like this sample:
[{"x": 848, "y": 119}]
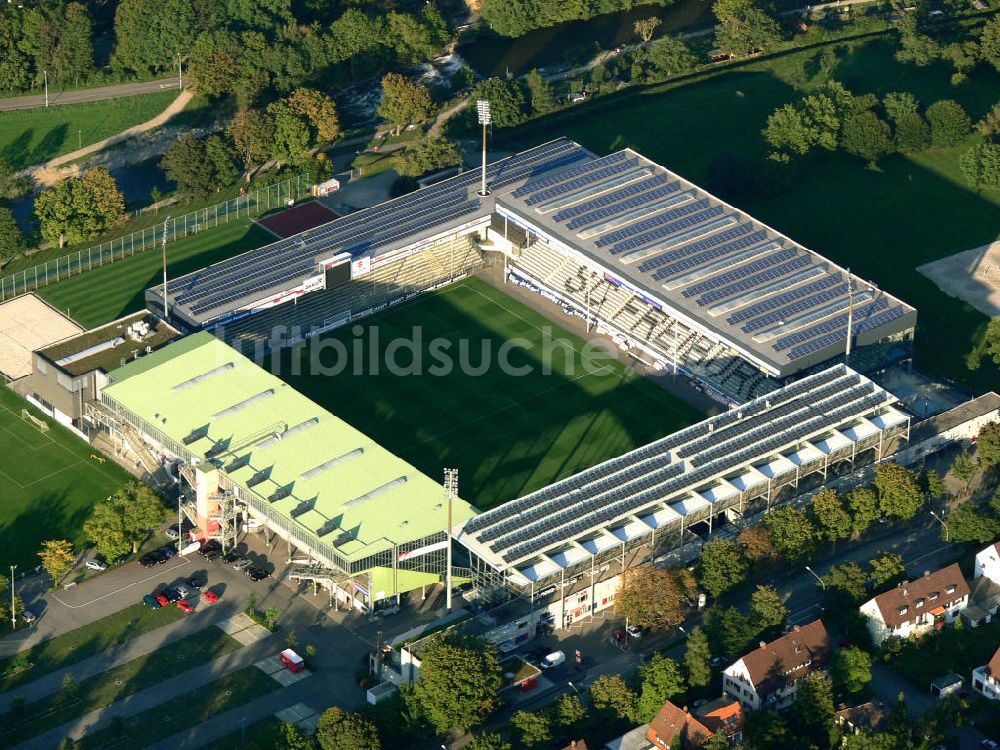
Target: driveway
[{"x": 76, "y": 96}]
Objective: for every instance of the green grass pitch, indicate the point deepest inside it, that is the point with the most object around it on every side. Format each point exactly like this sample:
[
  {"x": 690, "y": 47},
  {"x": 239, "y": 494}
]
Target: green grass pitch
[
  {"x": 48, "y": 483},
  {"x": 507, "y": 434}
]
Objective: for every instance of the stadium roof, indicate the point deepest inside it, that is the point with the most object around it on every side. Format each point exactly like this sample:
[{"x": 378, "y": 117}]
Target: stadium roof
[
  {"x": 262, "y": 273},
  {"x": 315, "y": 470},
  {"x": 658, "y": 484},
  {"x": 718, "y": 270},
  {"x": 703, "y": 261}
]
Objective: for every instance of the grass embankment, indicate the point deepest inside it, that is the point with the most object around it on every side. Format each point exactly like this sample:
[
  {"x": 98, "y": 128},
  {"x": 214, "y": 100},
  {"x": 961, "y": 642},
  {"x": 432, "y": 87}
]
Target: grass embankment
[
  {"x": 882, "y": 224},
  {"x": 33, "y": 136}
]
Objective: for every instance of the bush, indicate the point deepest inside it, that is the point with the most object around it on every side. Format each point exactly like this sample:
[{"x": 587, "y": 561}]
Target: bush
[
  {"x": 949, "y": 123},
  {"x": 913, "y": 134}
]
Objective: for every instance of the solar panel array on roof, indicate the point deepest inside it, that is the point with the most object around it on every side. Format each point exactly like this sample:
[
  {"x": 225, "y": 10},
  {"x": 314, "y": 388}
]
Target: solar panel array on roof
[{"x": 667, "y": 470}]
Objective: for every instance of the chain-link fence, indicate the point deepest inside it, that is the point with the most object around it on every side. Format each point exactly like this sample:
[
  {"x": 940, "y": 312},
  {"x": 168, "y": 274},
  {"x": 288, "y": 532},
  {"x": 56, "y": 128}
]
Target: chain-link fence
[{"x": 242, "y": 206}]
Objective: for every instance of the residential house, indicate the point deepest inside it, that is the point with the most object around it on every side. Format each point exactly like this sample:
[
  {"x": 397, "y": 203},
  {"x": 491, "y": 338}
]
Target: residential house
[
  {"x": 768, "y": 676},
  {"x": 949, "y": 684},
  {"x": 722, "y": 715},
  {"x": 988, "y": 563},
  {"x": 867, "y": 717},
  {"x": 672, "y": 723},
  {"x": 915, "y": 607},
  {"x": 576, "y": 745},
  {"x": 986, "y": 679}
]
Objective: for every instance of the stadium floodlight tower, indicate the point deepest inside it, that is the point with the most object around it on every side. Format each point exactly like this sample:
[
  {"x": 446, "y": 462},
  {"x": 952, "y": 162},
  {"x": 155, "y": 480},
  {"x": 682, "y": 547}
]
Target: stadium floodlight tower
[
  {"x": 485, "y": 118},
  {"x": 451, "y": 491}
]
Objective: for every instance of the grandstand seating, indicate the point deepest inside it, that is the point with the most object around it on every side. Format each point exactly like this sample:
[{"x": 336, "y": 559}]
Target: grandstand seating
[
  {"x": 704, "y": 358},
  {"x": 325, "y": 309}
]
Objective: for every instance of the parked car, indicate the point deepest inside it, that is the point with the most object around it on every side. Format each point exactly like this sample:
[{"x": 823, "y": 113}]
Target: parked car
[
  {"x": 28, "y": 616},
  {"x": 184, "y": 606},
  {"x": 553, "y": 660},
  {"x": 150, "y": 601},
  {"x": 172, "y": 594},
  {"x": 232, "y": 556},
  {"x": 164, "y": 602},
  {"x": 211, "y": 547},
  {"x": 241, "y": 564},
  {"x": 95, "y": 564},
  {"x": 171, "y": 532},
  {"x": 256, "y": 574},
  {"x": 210, "y": 596},
  {"x": 291, "y": 660},
  {"x": 634, "y": 630},
  {"x": 212, "y": 555},
  {"x": 167, "y": 552},
  {"x": 195, "y": 582},
  {"x": 989, "y": 744},
  {"x": 149, "y": 559},
  {"x": 184, "y": 590}
]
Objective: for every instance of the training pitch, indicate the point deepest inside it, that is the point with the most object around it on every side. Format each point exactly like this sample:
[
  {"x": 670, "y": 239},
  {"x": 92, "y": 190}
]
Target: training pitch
[
  {"x": 48, "y": 483},
  {"x": 507, "y": 433}
]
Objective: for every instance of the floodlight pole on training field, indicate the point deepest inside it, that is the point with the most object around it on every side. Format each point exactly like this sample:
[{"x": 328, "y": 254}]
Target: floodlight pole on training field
[
  {"x": 166, "y": 306},
  {"x": 485, "y": 118},
  {"x": 451, "y": 489},
  {"x": 45, "y": 75}
]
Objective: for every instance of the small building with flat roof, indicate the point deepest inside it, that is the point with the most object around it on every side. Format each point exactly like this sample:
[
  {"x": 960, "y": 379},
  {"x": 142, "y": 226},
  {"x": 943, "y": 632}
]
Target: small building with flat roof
[{"x": 247, "y": 443}]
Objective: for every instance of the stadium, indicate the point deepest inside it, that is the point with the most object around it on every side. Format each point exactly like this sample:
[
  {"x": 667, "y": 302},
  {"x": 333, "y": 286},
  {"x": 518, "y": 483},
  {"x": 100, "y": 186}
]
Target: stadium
[{"x": 678, "y": 280}]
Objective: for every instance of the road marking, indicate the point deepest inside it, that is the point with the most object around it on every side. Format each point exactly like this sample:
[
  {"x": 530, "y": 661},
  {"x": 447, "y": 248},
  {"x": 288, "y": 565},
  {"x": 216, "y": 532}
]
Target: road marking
[
  {"x": 928, "y": 554},
  {"x": 123, "y": 588},
  {"x": 799, "y": 615}
]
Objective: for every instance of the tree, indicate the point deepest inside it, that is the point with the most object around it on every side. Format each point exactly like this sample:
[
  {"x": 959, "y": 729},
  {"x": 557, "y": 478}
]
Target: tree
[
  {"x": 345, "y": 730},
  {"x": 756, "y": 544},
  {"x": 610, "y": 692},
  {"x": 914, "y": 47},
  {"x": 645, "y": 28},
  {"x": 792, "y": 532},
  {"x": 251, "y": 132},
  {"x": 899, "y": 494},
  {"x": 428, "y": 156},
  {"x": 767, "y": 608},
  {"x": 568, "y": 712},
  {"x": 766, "y": 731},
  {"x": 832, "y": 521},
  {"x": 990, "y": 124},
  {"x": 849, "y": 580},
  {"x": 540, "y": 93},
  {"x": 404, "y": 102},
  {"x": 69, "y": 691},
  {"x": 989, "y": 434},
  {"x": 886, "y": 568},
  {"x": 292, "y": 139},
  {"x": 722, "y": 566},
  {"x": 459, "y": 682},
  {"x": 57, "y": 558},
  {"x": 120, "y": 523},
  {"x": 652, "y": 597},
  {"x": 913, "y": 134},
  {"x": 668, "y": 56},
  {"x": 989, "y": 42},
  {"x": 743, "y": 28},
  {"x": 980, "y": 165},
  {"x": 862, "y": 503},
  {"x": 949, "y": 123},
  {"x": 414, "y": 38},
  {"x": 661, "y": 679},
  {"x": 964, "y": 468},
  {"x": 967, "y": 524},
  {"x": 150, "y": 33},
  {"x": 900, "y": 103},
  {"x": 80, "y": 208},
  {"x": 851, "y": 670},
  {"x": 729, "y": 630},
  {"x": 11, "y": 238},
  {"x": 812, "y": 709},
  {"x": 488, "y": 741},
  {"x": 933, "y": 484},
  {"x": 293, "y": 738},
  {"x": 698, "y": 658},
  {"x": 867, "y": 136},
  {"x": 533, "y": 729},
  {"x": 505, "y": 98}
]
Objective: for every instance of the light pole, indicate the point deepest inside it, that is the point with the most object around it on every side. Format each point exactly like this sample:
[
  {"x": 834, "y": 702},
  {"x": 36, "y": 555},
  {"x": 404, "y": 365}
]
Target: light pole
[
  {"x": 45, "y": 74},
  {"x": 13, "y": 615},
  {"x": 166, "y": 305},
  {"x": 485, "y": 118},
  {"x": 79, "y": 138},
  {"x": 451, "y": 489},
  {"x": 943, "y": 524},
  {"x": 821, "y": 581}
]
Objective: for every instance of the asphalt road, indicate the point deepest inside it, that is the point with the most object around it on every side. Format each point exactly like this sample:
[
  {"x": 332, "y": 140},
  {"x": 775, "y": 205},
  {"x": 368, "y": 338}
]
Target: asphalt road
[{"x": 76, "y": 96}]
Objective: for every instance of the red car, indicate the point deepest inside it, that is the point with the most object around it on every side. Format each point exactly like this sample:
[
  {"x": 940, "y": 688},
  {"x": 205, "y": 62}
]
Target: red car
[
  {"x": 184, "y": 606},
  {"x": 164, "y": 602},
  {"x": 210, "y": 596}
]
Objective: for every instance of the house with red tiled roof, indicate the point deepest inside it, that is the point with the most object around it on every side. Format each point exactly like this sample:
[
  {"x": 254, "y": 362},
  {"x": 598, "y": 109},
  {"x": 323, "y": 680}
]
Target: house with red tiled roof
[
  {"x": 915, "y": 607},
  {"x": 986, "y": 679},
  {"x": 769, "y": 675},
  {"x": 673, "y": 722},
  {"x": 722, "y": 715}
]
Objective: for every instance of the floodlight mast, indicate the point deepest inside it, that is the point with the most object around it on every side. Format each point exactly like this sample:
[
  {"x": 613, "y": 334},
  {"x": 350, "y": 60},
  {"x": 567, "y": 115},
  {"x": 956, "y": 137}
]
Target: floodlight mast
[
  {"x": 451, "y": 490},
  {"x": 485, "y": 118}
]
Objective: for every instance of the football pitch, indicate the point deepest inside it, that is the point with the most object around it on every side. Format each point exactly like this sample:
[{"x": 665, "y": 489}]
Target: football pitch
[
  {"x": 48, "y": 483},
  {"x": 508, "y": 429}
]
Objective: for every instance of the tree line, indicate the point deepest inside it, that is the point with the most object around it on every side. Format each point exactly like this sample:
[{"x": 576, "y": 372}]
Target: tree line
[{"x": 518, "y": 17}]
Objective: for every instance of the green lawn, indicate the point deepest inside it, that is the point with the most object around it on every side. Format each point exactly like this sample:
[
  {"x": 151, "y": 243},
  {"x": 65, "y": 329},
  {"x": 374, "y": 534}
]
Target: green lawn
[
  {"x": 116, "y": 684},
  {"x": 107, "y": 293},
  {"x": 951, "y": 650},
  {"x": 101, "y": 635},
  {"x": 882, "y": 224},
  {"x": 264, "y": 734},
  {"x": 184, "y": 711},
  {"x": 508, "y": 434},
  {"x": 49, "y": 481},
  {"x": 35, "y": 135}
]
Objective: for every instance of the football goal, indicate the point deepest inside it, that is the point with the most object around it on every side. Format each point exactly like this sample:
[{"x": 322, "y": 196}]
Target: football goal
[{"x": 29, "y": 417}]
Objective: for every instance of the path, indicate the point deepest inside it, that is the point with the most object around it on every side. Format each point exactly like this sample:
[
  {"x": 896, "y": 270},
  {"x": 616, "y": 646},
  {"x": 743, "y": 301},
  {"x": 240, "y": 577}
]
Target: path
[
  {"x": 50, "y": 172},
  {"x": 444, "y": 116},
  {"x": 76, "y": 96}
]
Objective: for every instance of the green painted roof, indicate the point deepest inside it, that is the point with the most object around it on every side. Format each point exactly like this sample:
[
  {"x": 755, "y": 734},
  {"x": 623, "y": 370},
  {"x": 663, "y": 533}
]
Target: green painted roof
[{"x": 355, "y": 486}]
